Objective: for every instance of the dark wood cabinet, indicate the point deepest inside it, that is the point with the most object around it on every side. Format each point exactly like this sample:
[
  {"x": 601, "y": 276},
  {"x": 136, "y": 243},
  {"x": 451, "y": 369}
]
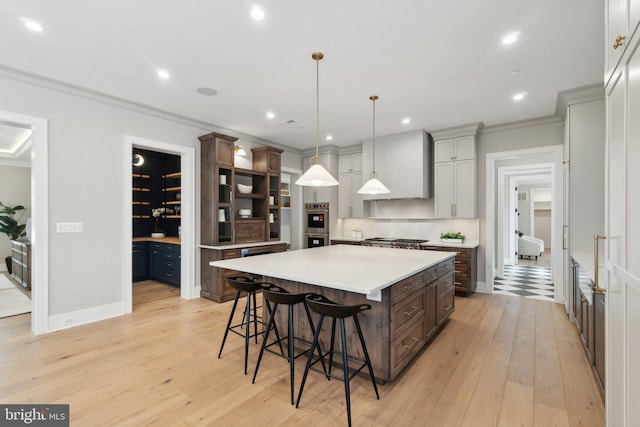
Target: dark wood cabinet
[
  {"x": 589, "y": 314},
  {"x": 213, "y": 280},
  {"x": 221, "y": 199},
  {"x": 21, "y": 262},
  {"x": 599, "y": 339},
  {"x": 466, "y": 266}
]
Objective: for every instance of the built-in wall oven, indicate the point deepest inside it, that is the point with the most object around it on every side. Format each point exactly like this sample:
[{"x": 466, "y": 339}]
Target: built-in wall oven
[{"x": 316, "y": 225}]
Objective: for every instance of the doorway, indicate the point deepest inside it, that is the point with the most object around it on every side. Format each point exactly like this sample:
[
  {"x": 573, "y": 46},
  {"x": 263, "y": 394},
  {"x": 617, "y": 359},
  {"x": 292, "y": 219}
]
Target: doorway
[
  {"x": 504, "y": 171},
  {"x": 40, "y": 213},
  {"x": 188, "y": 277}
]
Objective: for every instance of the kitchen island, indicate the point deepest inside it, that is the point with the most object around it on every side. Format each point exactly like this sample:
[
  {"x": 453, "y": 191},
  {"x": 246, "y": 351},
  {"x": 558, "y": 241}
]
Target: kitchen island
[{"x": 411, "y": 294}]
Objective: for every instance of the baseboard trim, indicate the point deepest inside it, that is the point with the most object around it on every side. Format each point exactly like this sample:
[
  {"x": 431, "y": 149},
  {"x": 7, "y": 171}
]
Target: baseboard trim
[{"x": 82, "y": 317}]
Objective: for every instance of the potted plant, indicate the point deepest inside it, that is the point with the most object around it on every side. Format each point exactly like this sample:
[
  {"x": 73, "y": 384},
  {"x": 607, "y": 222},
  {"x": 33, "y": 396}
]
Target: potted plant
[
  {"x": 157, "y": 213},
  {"x": 9, "y": 225},
  {"x": 452, "y": 237}
]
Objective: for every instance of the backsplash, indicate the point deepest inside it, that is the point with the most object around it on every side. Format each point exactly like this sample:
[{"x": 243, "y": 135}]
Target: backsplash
[{"x": 428, "y": 229}]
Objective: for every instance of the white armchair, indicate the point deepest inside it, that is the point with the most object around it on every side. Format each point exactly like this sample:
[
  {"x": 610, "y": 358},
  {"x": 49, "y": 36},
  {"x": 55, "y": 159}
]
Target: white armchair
[{"x": 530, "y": 246}]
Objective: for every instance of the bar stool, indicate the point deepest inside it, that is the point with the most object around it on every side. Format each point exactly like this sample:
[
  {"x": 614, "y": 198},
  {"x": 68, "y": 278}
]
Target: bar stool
[
  {"x": 325, "y": 307},
  {"x": 243, "y": 284},
  {"x": 277, "y": 295}
]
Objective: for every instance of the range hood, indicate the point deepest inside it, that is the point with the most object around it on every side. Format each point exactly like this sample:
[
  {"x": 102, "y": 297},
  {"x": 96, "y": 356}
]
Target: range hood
[{"x": 403, "y": 163}]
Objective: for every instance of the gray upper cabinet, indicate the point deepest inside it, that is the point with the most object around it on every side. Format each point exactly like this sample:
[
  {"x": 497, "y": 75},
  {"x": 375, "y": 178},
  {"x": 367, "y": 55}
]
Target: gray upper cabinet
[{"x": 402, "y": 165}]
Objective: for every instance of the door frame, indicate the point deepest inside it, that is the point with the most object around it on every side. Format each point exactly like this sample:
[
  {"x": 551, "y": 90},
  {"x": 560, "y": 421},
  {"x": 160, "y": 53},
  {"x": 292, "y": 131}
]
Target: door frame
[
  {"x": 188, "y": 280},
  {"x": 491, "y": 174},
  {"x": 39, "y": 216}
]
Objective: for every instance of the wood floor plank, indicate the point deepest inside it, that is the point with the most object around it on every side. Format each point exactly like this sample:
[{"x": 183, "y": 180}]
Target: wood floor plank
[{"x": 500, "y": 360}]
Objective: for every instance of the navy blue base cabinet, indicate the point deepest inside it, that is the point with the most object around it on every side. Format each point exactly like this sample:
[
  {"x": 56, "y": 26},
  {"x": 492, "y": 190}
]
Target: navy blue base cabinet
[
  {"x": 165, "y": 263},
  {"x": 140, "y": 261}
]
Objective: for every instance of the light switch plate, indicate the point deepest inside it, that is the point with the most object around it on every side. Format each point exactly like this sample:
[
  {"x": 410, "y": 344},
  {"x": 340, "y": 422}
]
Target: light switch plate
[{"x": 69, "y": 227}]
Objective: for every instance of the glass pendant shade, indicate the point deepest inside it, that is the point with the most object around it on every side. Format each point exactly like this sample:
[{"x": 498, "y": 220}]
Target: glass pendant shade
[
  {"x": 316, "y": 176},
  {"x": 373, "y": 186}
]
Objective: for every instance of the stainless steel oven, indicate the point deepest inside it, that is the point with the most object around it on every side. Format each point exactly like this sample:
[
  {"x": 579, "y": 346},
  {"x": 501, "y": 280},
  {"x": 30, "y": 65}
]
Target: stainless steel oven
[
  {"x": 315, "y": 240},
  {"x": 316, "y": 218},
  {"x": 316, "y": 225}
]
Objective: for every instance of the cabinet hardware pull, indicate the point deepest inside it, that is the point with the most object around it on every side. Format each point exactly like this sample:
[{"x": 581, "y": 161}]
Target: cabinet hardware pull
[
  {"x": 457, "y": 271},
  {"x": 618, "y": 42},
  {"x": 447, "y": 308},
  {"x": 458, "y": 262},
  {"x": 414, "y": 341},
  {"x": 413, "y": 309},
  {"x": 582, "y": 299},
  {"x": 596, "y": 285},
  {"x": 413, "y": 285}
]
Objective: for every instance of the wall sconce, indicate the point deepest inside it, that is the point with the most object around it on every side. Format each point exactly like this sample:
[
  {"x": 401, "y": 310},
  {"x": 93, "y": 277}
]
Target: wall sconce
[
  {"x": 239, "y": 151},
  {"x": 138, "y": 160}
]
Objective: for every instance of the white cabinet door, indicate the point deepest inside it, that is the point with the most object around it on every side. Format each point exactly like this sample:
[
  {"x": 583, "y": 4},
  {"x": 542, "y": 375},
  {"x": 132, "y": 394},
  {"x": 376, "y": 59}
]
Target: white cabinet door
[
  {"x": 464, "y": 189},
  {"x": 617, "y": 12},
  {"x": 350, "y": 201},
  {"x": 350, "y": 163},
  {"x": 465, "y": 148},
  {"x": 622, "y": 209},
  {"x": 462, "y": 148},
  {"x": 443, "y": 150},
  {"x": 443, "y": 190}
]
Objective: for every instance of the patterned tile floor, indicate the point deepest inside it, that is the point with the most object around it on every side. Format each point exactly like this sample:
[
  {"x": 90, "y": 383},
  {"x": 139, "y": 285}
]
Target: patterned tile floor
[{"x": 525, "y": 281}]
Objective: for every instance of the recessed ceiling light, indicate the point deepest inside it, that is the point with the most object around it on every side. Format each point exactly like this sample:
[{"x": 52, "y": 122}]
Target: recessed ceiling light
[
  {"x": 519, "y": 96},
  {"x": 32, "y": 25},
  {"x": 163, "y": 74},
  {"x": 511, "y": 37},
  {"x": 329, "y": 138},
  {"x": 257, "y": 13},
  {"x": 514, "y": 72},
  {"x": 270, "y": 115},
  {"x": 406, "y": 120},
  {"x": 207, "y": 91}
]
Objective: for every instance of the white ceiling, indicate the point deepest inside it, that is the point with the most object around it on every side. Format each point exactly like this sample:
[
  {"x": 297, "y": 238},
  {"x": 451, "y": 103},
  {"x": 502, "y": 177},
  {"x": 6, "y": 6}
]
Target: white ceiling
[
  {"x": 15, "y": 144},
  {"x": 441, "y": 63}
]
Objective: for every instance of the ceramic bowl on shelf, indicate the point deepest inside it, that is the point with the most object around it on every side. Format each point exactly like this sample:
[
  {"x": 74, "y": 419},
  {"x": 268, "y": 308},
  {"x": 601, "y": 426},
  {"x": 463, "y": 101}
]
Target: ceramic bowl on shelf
[
  {"x": 245, "y": 189},
  {"x": 244, "y": 213}
]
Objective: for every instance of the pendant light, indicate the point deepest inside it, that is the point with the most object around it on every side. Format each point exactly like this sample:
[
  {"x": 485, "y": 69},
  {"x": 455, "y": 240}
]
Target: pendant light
[
  {"x": 373, "y": 186},
  {"x": 316, "y": 175}
]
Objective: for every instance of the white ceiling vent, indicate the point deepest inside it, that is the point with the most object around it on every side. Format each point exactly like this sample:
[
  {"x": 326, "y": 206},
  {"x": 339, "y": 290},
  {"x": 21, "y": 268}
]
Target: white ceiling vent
[{"x": 522, "y": 196}]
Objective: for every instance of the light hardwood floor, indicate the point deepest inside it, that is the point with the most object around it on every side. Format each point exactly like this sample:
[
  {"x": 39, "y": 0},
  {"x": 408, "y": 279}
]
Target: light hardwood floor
[{"x": 501, "y": 361}]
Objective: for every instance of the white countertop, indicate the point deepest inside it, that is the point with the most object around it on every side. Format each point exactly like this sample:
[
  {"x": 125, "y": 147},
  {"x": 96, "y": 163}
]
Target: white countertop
[
  {"x": 359, "y": 269},
  {"x": 243, "y": 245}
]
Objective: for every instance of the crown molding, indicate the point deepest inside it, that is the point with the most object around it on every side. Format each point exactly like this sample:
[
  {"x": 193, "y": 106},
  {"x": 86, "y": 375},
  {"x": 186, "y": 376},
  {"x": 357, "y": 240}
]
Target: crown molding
[
  {"x": 593, "y": 92},
  {"x": 453, "y": 132},
  {"x": 523, "y": 124},
  {"x": 114, "y": 101}
]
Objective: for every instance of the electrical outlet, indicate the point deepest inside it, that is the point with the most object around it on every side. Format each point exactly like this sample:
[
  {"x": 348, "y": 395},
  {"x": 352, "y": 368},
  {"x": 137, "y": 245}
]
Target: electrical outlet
[{"x": 69, "y": 227}]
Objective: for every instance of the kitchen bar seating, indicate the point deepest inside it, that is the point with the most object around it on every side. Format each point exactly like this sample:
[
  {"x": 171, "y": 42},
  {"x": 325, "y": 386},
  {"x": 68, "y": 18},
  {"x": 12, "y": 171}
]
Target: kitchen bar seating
[
  {"x": 250, "y": 287},
  {"x": 277, "y": 295},
  {"x": 325, "y": 307}
]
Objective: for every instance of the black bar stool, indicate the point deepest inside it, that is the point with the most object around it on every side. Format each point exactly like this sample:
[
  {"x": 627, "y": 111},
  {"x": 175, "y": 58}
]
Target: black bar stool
[
  {"x": 243, "y": 284},
  {"x": 277, "y": 295},
  {"x": 325, "y": 307}
]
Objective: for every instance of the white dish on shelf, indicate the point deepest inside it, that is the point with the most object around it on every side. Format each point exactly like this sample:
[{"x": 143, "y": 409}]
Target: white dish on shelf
[
  {"x": 245, "y": 189},
  {"x": 244, "y": 213}
]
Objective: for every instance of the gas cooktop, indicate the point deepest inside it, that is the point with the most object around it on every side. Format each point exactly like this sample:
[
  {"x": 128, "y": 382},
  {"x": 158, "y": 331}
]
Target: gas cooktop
[{"x": 393, "y": 242}]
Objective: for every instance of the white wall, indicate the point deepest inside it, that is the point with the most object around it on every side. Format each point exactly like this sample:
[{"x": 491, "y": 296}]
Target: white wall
[
  {"x": 15, "y": 189},
  {"x": 85, "y": 181},
  {"x": 586, "y": 174}
]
